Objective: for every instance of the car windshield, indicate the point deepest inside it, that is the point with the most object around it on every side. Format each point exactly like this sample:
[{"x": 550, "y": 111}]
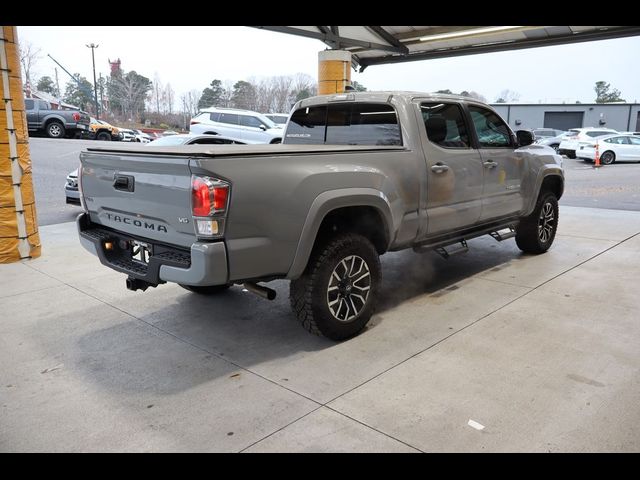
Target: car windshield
[{"x": 168, "y": 141}]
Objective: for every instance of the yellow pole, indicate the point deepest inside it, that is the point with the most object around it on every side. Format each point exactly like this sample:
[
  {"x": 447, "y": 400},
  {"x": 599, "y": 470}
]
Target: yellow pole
[
  {"x": 334, "y": 71},
  {"x": 19, "y": 237}
]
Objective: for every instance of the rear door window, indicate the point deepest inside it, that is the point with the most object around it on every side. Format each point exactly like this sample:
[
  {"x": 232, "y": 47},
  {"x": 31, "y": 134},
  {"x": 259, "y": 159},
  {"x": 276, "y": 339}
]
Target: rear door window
[
  {"x": 29, "y": 104},
  {"x": 231, "y": 118},
  {"x": 444, "y": 123}
]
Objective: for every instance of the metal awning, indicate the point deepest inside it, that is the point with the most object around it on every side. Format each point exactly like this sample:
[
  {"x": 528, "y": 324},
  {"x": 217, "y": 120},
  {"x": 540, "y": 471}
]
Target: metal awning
[{"x": 378, "y": 45}]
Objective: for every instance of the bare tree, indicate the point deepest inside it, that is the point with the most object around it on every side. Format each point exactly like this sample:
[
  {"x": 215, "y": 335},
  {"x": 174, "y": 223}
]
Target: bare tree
[
  {"x": 29, "y": 56},
  {"x": 228, "y": 92},
  {"x": 508, "y": 96},
  {"x": 169, "y": 97},
  {"x": 281, "y": 92}
]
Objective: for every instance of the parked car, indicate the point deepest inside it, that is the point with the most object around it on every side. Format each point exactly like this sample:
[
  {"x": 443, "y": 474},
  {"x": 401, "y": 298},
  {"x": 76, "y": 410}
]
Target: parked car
[
  {"x": 190, "y": 139},
  {"x": 242, "y": 125},
  {"x": 278, "y": 118},
  {"x": 71, "y": 186},
  {"x": 554, "y": 142},
  {"x": 142, "y": 137},
  {"x": 55, "y": 123},
  {"x": 546, "y": 132},
  {"x": 101, "y": 130},
  {"x": 569, "y": 145},
  {"x": 127, "y": 135},
  {"x": 611, "y": 148}
]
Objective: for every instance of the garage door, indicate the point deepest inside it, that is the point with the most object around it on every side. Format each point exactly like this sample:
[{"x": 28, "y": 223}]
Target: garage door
[{"x": 563, "y": 120}]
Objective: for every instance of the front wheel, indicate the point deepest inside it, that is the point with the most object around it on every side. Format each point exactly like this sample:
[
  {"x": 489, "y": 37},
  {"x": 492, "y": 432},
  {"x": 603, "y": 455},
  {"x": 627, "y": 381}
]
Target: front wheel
[
  {"x": 104, "y": 136},
  {"x": 336, "y": 294},
  {"x": 536, "y": 233}
]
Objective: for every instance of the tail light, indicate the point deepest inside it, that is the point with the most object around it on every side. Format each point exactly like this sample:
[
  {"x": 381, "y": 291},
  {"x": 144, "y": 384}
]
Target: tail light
[
  {"x": 76, "y": 116},
  {"x": 209, "y": 198}
]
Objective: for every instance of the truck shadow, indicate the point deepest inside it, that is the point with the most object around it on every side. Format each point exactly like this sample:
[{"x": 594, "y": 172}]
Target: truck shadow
[{"x": 189, "y": 339}]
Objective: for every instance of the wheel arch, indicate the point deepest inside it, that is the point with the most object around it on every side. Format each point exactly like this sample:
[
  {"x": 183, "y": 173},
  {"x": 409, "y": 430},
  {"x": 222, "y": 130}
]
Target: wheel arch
[{"x": 360, "y": 210}]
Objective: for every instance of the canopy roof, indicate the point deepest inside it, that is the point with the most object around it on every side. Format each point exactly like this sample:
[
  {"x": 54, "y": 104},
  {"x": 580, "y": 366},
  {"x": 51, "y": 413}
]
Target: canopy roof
[{"x": 378, "y": 45}]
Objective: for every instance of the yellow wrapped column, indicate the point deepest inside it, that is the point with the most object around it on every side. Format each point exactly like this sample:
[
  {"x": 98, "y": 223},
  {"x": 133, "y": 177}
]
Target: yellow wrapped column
[
  {"x": 334, "y": 71},
  {"x": 19, "y": 237}
]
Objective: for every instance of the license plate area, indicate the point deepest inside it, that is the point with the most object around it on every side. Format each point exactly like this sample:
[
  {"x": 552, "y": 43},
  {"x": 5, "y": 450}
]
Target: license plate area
[{"x": 141, "y": 252}]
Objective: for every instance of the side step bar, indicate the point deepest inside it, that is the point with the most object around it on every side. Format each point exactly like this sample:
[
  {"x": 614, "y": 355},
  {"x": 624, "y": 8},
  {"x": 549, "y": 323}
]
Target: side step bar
[
  {"x": 503, "y": 234},
  {"x": 461, "y": 246}
]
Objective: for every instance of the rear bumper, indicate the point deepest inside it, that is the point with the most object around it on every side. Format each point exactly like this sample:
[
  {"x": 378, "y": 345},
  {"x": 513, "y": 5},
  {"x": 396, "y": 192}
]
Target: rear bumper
[{"x": 202, "y": 265}]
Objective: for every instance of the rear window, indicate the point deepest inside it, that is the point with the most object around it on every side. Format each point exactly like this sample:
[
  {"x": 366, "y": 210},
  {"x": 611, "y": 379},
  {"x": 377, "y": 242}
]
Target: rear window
[
  {"x": 345, "y": 124},
  {"x": 597, "y": 133}
]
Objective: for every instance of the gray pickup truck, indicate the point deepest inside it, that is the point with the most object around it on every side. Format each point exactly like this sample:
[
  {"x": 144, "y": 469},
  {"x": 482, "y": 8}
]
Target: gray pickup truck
[
  {"x": 55, "y": 123},
  {"x": 358, "y": 175}
]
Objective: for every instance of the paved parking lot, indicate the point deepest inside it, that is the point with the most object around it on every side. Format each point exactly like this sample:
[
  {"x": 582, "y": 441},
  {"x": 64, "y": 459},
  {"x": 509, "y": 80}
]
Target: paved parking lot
[{"x": 488, "y": 351}]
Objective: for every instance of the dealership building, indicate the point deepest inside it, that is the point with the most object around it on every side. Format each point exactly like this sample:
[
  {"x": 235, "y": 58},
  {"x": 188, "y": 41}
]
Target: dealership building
[{"x": 619, "y": 116}]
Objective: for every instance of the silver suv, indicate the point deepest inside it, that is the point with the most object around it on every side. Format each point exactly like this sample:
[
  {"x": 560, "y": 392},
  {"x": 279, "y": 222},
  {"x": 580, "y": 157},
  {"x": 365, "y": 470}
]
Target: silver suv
[{"x": 241, "y": 125}]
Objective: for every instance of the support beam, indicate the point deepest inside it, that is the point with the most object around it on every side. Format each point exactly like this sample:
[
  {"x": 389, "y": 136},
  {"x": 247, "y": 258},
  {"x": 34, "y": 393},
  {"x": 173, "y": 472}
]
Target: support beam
[
  {"x": 331, "y": 39},
  {"x": 19, "y": 237},
  {"x": 387, "y": 37},
  {"x": 500, "y": 47}
]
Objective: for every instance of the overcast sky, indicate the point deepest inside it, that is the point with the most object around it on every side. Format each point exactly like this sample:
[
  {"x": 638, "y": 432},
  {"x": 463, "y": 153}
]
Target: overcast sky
[{"x": 190, "y": 57}]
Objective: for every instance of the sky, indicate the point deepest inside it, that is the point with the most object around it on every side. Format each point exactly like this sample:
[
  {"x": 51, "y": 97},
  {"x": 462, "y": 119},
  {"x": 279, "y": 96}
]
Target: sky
[{"x": 189, "y": 58}]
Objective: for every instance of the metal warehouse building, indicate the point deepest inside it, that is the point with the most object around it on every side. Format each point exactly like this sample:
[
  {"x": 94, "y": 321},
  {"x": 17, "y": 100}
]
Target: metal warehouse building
[{"x": 619, "y": 116}]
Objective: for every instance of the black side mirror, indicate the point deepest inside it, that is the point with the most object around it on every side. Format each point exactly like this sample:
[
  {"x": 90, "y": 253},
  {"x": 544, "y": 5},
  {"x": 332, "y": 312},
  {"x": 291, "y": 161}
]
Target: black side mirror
[{"x": 525, "y": 137}]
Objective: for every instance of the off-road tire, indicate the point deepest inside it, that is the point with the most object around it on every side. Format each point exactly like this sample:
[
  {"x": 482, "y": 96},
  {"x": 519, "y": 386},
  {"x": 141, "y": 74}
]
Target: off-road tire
[
  {"x": 105, "y": 136},
  {"x": 536, "y": 232},
  {"x": 310, "y": 294}
]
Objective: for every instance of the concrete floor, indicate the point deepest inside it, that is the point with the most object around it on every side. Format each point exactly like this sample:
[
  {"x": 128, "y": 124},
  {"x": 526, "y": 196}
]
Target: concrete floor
[{"x": 541, "y": 351}]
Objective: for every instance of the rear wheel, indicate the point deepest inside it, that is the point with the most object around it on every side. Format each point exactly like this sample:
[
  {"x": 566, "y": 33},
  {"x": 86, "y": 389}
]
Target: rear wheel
[
  {"x": 536, "y": 233},
  {"x": 336, "y": 294},
  {"x": 55, "y": 130},
  {"x": 207, "y": 290},
  {"x": 607, "y": 158}
]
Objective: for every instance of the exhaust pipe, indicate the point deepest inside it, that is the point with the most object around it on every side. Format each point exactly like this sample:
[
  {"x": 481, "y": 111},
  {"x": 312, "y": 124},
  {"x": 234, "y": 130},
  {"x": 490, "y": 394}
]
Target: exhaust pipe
[
  {"x": 260, "y": 290},
  {"x": 136, "y": 284}
]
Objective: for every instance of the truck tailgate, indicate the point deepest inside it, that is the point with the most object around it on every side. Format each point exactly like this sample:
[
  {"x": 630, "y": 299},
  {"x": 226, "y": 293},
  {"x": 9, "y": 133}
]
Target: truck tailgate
[{"x": 147, "y": 196}]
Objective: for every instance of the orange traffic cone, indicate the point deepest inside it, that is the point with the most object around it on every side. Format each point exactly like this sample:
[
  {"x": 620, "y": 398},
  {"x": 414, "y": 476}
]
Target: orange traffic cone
[{"x": 597, "y": 159}]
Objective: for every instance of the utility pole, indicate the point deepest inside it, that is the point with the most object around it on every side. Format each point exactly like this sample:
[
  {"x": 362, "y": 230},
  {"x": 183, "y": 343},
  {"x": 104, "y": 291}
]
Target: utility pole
[
  {"x": 101, "y": 93},
  {"x": 93, "y": 46},
  {"x": 58, "y": 85}
]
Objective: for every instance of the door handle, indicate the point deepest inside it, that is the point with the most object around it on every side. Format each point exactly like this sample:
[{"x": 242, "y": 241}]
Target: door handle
[
  {"x": 490, "y": 164},
  {"x": 439, "y": 168}
]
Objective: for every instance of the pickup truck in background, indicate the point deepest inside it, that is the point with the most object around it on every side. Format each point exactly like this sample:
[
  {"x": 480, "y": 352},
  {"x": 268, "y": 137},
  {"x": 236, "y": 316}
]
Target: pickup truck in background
[
  {"x": 358, "y": 175},
  {"x": 55, "y": 123}
]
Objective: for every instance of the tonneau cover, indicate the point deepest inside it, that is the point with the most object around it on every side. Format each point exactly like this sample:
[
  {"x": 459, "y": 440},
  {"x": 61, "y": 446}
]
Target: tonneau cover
[{"x": 236, "y": 150}]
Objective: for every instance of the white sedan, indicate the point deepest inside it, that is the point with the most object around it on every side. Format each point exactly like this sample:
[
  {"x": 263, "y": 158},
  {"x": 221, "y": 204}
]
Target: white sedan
[{"x": 611, "y": 148}]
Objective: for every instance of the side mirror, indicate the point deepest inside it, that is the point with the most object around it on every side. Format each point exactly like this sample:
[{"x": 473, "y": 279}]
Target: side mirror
[
  {"x": 263, "y": 127},
  {"x": 525, "y": 137}
]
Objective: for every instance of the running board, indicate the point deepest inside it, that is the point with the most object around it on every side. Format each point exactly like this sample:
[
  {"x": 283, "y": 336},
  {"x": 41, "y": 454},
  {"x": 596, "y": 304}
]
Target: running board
[
  {"x": 503, "y": 234},
  {"x": 450, "y": 250}
]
